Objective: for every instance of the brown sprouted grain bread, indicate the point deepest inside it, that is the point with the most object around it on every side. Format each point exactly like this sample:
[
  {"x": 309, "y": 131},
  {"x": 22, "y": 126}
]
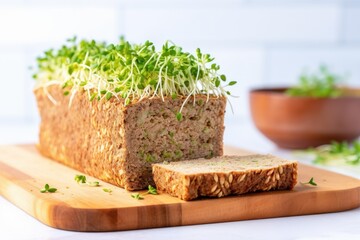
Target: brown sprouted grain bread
[
  {"x": 222, "y": 176},
  {"x": 118, "y": 143}
]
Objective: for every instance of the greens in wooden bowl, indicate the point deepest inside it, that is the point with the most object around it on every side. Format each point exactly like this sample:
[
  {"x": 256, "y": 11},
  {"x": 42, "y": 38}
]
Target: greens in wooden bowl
[
  {"x": 315, "y": 112},
  {"x": 321, "y": 84}
]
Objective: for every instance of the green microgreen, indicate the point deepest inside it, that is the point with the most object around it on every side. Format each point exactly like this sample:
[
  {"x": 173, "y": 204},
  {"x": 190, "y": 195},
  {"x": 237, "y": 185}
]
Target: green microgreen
[
  {"x": 93, "y": 184},
  {"x": 49, "y": 189},
  {"x": 137, "y": 196},
  {"x": 310, "y": 182},
  {"x": 151, "y": 190},
  {"x": 130, "y": 71},
  {"x": 179, "y": 116},
  {"x": 336, "y": 153},
  {"x": 108, "y": 190},
  {"x": 321, "y": 84},
  {"x": 81, "y": 179}
]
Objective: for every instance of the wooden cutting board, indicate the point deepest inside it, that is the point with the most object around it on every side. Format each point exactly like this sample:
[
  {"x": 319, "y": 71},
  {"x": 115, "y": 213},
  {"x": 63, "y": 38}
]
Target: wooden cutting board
[{"x": 82, "y": 208}]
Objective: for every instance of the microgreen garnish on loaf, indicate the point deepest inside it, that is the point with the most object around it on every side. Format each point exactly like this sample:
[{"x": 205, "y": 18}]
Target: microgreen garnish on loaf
[{"x": 130, "y": 71}]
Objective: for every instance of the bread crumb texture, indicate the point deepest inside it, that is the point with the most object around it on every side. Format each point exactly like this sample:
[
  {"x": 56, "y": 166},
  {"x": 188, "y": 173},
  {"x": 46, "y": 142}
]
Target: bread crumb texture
[{"x": 118, "y": 143}]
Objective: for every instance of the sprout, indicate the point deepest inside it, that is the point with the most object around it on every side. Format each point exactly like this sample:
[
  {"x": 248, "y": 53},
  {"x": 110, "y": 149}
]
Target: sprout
[{"x": 129, "y": 71}]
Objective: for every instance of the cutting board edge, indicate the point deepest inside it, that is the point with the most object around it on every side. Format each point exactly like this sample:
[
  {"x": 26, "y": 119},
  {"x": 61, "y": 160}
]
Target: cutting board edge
[
  {"x": 55, "y": 209},
  {"x": 346, "y": 205}
]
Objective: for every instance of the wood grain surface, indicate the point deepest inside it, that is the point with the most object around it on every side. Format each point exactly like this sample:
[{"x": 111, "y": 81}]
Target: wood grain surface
[{"x": 23, "y": 172}]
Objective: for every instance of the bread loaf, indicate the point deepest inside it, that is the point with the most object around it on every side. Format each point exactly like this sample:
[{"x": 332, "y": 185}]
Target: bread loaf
[
  {"x": 222, "y": 176},
  {"x": 118, "y": 143}
]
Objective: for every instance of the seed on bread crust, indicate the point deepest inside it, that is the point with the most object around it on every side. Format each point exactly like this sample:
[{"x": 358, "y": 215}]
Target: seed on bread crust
[
  {"x": 222, "y": 180},
  {"x": 213, "y": 188},
  {"x": 217, "y": 191},
  {"x": 267, "y": 179},
  {"x": 281, "y": 169},
  {"x": 187, "y": 181},
  {"x": 231, "y": 177},
  {"x": 277, "y": 176},
  {"x": 240, "y": 179}
]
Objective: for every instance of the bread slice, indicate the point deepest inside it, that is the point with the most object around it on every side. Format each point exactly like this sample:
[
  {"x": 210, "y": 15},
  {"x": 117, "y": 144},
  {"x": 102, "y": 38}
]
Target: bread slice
[
  {"x": 222, "y": 176},
  {"x": 117, "y": 143}
]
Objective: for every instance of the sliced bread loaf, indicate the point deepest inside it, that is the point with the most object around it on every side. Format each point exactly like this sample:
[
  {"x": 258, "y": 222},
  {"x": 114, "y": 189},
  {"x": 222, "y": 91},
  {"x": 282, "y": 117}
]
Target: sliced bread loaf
[
  {"x": 226, "y": 175},
  {"x": 118, "y": 143}
]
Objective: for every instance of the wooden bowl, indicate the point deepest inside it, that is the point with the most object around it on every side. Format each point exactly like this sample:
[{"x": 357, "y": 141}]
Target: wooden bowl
[{"x": 302, "y": 122}]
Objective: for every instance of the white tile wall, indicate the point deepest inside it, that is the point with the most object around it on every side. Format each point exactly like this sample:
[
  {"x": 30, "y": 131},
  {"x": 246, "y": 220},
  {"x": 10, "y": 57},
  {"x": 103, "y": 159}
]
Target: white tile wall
[
  {"x": 285, "y": 65},
  {"x": 253, "y": 23},
  {"x": 352, "y": 23},
  {"x": 12, "y": 90},
  {"x": 39, "y": 25},
  {"x": 256, "y": 42},
  {"x": 243, "y": 65}
]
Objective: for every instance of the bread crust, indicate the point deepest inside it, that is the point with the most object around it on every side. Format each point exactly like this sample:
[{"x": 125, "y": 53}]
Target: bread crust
[
  {"x": 237, "y": 178},
  {"x": 118, "y": 143}
]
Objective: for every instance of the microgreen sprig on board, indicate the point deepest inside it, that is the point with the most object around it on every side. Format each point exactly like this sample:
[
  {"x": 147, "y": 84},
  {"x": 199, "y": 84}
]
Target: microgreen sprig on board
[
  {"x": 137, "y": 196},
  {"x": 81, "y": 179},
  {"x": 49, "y": 189},
  {"x": 130, "y": 71},
  {"x": 310, "y": 182},
  {"x": 151, "y": 190},
  {"x": 108, "y": 190}
]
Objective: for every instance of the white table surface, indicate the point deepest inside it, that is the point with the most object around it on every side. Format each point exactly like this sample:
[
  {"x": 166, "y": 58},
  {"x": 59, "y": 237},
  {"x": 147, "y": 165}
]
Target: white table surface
[{"x": 16, "y": 224}]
